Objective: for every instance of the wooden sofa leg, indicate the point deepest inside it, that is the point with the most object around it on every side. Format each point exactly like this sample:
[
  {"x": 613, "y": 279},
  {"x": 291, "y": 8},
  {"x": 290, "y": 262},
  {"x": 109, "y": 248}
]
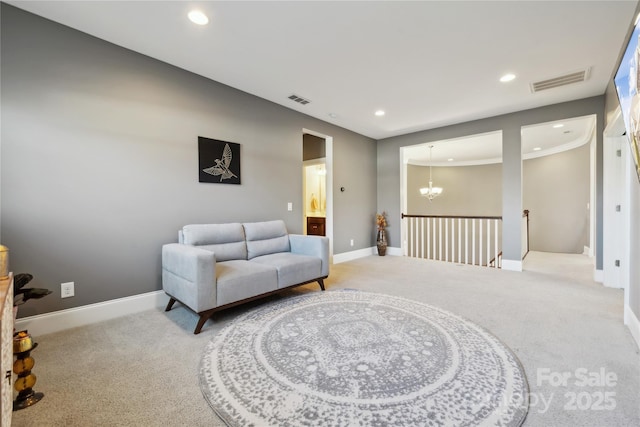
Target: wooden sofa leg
[
  {"x": 204, "y": 316},
  {"x": 321, "y": 283},
  {"x": 170, "y": 304}
]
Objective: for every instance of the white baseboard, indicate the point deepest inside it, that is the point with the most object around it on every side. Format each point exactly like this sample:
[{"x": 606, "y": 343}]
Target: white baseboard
[
  {"x": 87, "y": 314},
  {"x": 361, "y": 253},
  {"x": 511, "y": 265},
  {"x": 598, "y": 276},
  {"x": 350, "y": 256},
  {"x": 394, "y": 251},
  {"x": 632, "y": 323}
]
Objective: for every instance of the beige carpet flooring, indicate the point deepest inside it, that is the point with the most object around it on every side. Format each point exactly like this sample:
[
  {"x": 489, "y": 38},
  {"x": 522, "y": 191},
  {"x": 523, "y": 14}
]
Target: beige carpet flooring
[{"x": 142, "y": 370}]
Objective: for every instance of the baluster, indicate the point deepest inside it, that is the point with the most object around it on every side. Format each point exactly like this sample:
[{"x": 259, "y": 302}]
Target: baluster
[
  {"x": 446, "y": 239},
  {"x": 434, "y": 238},
  {"x": 416, "y": 231},
  {"x": 418, "y": 237},
  {"x": 459, "y": 240},
  {"x": 495, "y": 237},
  {"x": 488, "y": 241},
  {"x": 473, "y": 242},
  {"x": 466, "y": 241},
  {"x": 428, "y": 238},
  {"x": 415, "y": 238},
  {"x": 480, "y": 238},
  {"x": 453, "y": 240},
  {"x": 422, "y": 237},
  {"x": 439, "y": 239},
  {"x": 411, "y": 236}
]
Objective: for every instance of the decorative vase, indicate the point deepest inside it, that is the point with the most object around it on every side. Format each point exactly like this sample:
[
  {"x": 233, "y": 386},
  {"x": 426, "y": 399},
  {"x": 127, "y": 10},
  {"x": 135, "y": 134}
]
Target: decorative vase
[
  {"x": 23, "y": 345},
  {"x": 381, "y": 242}
]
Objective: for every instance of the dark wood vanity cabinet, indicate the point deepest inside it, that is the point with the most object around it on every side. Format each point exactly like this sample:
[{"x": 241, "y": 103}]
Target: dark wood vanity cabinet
[{"x": 316, "y": 226}]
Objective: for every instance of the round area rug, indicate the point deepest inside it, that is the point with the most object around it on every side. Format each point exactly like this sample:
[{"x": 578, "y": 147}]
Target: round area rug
[{"x": 349, "y": 358}]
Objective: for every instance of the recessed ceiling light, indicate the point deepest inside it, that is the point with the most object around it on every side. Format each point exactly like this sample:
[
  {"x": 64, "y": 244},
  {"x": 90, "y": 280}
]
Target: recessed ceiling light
[
  {"x": 507, "y": 78},
  {"x": 333, "y": 115},
  {"x": 450, "y": 160},
  {"x": 379, "y": 113},
  {"x": 198, "y": 17},
  {"x": 558, "y": 125},
  {"x": 537, "y": 149}
]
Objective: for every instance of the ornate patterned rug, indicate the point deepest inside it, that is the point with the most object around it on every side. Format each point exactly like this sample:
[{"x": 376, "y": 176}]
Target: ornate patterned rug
[{"x": 349, "y": 358}]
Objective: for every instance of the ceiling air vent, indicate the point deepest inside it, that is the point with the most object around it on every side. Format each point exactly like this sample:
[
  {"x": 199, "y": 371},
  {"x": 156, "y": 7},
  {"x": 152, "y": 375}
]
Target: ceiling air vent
[
  {"x": 299, "y": 99},
  {"x": 567, "y": 79}
]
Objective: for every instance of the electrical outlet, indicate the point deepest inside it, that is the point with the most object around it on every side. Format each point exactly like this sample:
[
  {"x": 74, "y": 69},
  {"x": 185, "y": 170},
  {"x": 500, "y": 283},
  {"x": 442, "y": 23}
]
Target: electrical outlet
[
  {"x": 351, "y": 242},
  {"x": 67, "y": 290}
]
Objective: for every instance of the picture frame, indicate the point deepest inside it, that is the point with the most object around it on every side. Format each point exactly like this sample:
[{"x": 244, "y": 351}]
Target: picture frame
[{"x": 218, "y": 161}]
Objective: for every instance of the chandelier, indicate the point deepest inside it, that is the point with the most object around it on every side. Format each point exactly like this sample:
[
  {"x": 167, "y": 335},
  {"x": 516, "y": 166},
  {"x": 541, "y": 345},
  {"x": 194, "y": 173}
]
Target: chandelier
[{"x": 430, "y": 192}]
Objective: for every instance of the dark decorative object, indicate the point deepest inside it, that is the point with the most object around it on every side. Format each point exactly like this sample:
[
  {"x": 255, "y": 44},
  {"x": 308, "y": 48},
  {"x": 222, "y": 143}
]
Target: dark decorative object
[
  {"x": 381, "y": 242},
  {"x": 219, "y": 161},
  {"x": 381, "y": 236},
  {"x": 22, "y": 347},
  {"x": 19, "y": 281}
]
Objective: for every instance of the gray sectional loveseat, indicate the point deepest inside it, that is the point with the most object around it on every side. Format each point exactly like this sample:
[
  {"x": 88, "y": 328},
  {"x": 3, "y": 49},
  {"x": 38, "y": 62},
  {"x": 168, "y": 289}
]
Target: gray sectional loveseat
[{"x": 215, "y": 266}]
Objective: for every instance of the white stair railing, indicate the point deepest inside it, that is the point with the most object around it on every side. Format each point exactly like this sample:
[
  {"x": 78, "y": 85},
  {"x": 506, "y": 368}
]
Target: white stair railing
[
  {"x": 471, "y": 240},
  {"x": 459, "y": 239}
]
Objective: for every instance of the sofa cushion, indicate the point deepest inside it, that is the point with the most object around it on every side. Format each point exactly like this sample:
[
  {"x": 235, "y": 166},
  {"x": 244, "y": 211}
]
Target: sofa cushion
[
  {"x": 238, "y": 280},
  {"x": 292, "y": 268},
  {"x": 225, "y": 240},
  {"x": 265, "y": 238}
]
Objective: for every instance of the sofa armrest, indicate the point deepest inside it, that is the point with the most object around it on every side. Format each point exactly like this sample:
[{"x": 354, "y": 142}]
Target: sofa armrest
[
  {"x": 312, "y": 245},
  {"x": 189, "y": 275}
]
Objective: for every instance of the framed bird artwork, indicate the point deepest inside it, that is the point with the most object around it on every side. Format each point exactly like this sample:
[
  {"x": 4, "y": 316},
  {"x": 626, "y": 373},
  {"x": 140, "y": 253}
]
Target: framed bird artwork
[{"x": 218, "y": 161}]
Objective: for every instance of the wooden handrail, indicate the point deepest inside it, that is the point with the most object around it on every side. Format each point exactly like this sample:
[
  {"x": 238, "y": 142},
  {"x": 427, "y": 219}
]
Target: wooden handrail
[
  {"x": 450, "y": 216},
  {"x": 525, "y": 213},
  {"x": 494, "y": 258}
]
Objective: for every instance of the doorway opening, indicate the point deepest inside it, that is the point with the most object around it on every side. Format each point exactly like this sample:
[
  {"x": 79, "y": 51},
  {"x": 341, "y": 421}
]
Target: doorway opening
[
  {"x": 317, "y": 179},
  {"x": 558, "y": 184},
  {"x": 463, "y": 223}
]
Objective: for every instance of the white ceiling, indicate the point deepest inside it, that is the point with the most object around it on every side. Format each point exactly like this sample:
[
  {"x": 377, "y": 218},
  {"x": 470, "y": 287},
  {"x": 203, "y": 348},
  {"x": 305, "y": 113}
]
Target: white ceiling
[
  {"x": 426, "y": 63},
  {"x": 537, "y": 141}
]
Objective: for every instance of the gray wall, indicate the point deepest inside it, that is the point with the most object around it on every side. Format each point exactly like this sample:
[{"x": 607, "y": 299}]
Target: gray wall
[
  {"x": 611, "y": 104},
  {"x": 467, "y": 190},
  {"x": 510, "y": 124},
  {"x": 556, "y": 191},
  {"x": 100, "y": 162}
]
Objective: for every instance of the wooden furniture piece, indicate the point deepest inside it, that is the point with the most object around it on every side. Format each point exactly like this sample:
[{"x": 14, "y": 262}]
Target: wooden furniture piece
[
  {"x": 316, "y": 226},
  {"x": 6, "y": 350}
]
